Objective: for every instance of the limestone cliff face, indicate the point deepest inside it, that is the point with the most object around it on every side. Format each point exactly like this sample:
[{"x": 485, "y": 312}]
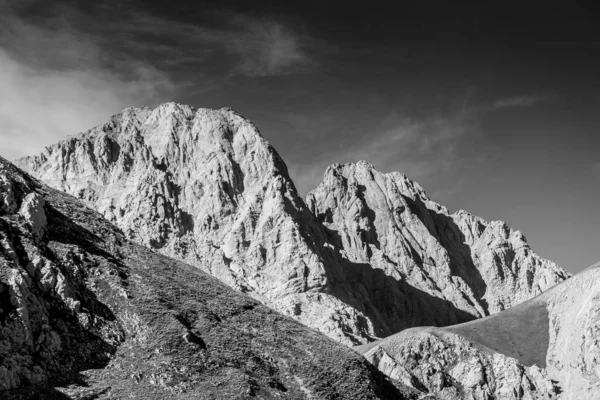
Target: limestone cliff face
[
  {"x": 388, "y": 222},
  {"x": 199, "y": 185},
  {"x": 371, "y": 255}
]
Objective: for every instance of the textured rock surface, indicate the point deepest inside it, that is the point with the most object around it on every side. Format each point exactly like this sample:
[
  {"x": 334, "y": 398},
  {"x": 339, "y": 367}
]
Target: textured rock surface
[
  {"x": 548, "y": 345},
  {"x": 453, "y": 368},
  {"x": 84, "y": 313},
  {"x": 388, "y": 222},
  {"x": 203, "y": 186},
  {"x": 573, "y": 355},
  {"x": 32, "y": 209}
]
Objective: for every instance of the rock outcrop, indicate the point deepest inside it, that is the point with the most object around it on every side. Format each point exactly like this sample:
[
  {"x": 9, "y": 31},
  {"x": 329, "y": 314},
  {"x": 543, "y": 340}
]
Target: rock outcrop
[
  {"x": 388, "y": 222},
  {"x": 85, "y": 313},
  {"x": 451, "y": 367},
  {"x": 32, "y": 209},
  {"x": 544, "y": 348},
  {"x": 362, "y": 263}
]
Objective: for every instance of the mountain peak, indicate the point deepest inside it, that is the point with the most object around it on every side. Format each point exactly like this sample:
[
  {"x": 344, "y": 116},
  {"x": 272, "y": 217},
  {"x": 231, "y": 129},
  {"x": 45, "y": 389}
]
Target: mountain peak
[
  {"x": 203, "y": 186},
  {"x": 385, "y": 220}
]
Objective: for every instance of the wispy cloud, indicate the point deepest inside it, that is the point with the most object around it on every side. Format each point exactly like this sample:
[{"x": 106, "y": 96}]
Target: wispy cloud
[
  {"x": 430, "y": 148},
  {"x": 55, "y": 81},
  {"x": 519, "y": 101},
  {"x": 238, "y": 44},
  {"x": 419, "y": 147},
  {"x": 267, "y": 48},
  {"x": 69, "y": 69}
]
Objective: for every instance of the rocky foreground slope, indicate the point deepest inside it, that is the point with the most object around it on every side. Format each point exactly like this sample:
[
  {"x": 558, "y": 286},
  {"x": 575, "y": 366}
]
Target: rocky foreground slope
[
  {"x": 545, "y": 348},
  {"x": 87, "y": 314},
  {"x": 371, "y": 255}
]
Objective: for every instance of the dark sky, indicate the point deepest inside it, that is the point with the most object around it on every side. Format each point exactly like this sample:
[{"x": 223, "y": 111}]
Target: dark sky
[{"x": 491, "y": 108}]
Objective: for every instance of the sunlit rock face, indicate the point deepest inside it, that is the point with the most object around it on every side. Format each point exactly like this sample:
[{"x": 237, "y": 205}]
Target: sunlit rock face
[
  {"x": 369, "y": 256},
  {"x": 200, "y": 185}
]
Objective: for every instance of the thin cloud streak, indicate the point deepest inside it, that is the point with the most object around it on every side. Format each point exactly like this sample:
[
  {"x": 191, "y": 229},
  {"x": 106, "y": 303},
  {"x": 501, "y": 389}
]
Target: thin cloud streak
[
  {"x": 420, "y": 148},
  {"x": 55, "y": 82},
  {"x": 518, "y": 101},
  {"x": 67, "y": 72},
  {"x": 427, "y": 149},
  {"x": 239, "y": 45},
  {"x": 268, "y": 48}
]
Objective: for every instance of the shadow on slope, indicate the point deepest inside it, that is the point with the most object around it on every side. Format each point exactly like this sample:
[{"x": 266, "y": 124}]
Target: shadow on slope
[
  {"x": 80, "y": 344},
  {"x": 453, "y": 240},
  {"x": 393, "y": 305},
  {"x": 520, "y": 332},
  {"x": 390, "y": 304},
  {"x": 42, "y": 283}
]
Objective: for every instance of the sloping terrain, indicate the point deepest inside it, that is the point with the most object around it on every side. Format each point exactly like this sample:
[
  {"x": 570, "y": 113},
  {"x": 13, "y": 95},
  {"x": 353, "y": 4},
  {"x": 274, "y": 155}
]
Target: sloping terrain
[
  {"x": 87, "y": 314},
  {"x": 550, "y": 343},
  {"x": 451, "y": 367},
  {"x": 521, "y": 332},
  {"x": 373, "y": 254}
]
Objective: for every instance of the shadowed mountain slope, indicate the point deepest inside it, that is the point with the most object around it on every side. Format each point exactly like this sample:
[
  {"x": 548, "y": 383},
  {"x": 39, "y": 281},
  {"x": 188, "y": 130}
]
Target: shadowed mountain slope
[{"x": 85, "y": 313}]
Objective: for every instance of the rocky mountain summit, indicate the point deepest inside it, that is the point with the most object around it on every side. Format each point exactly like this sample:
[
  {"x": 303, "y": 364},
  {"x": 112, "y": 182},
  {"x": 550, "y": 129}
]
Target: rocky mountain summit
[
  {"x": 388, "y": 222},
  {"x": 87, "y": 314},
  {"x": 544, "y": 348},
  {"x": 370, "y": 255}
]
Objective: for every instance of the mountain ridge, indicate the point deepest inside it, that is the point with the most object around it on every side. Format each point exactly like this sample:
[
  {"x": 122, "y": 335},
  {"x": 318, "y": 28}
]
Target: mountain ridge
[{"x": 205, "y": 187}]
